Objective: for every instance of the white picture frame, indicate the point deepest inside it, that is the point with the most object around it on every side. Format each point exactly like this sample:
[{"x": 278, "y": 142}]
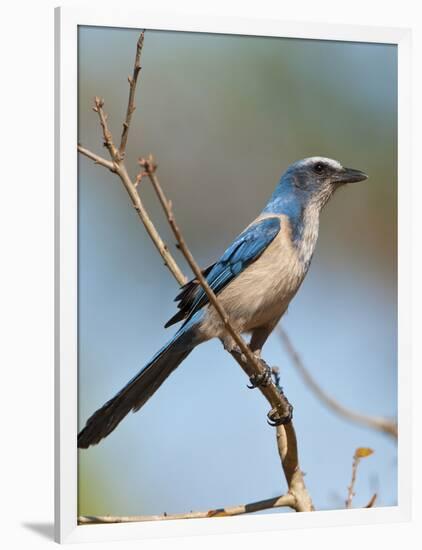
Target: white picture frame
[{"x": 66, "y": 24}]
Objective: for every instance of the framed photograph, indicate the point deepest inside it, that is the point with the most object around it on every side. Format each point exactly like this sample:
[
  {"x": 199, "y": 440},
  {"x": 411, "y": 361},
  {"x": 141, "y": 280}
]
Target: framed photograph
[{"x": 232, "y": 198}]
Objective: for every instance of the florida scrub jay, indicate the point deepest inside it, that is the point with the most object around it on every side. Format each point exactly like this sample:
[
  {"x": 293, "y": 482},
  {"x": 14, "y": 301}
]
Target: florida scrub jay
[{"x": 255, "y": 279}]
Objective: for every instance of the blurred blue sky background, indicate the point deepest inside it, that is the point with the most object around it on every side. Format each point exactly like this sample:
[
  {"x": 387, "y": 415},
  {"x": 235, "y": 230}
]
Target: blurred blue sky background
[{"x": 225, "y": 116}]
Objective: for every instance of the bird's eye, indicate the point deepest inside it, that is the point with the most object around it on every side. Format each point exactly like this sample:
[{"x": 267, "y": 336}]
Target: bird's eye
[{"x": 319, "y": 167}]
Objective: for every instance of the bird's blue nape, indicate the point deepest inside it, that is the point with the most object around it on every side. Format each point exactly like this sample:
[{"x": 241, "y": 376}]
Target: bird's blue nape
[{"x": 288, "y": 200}]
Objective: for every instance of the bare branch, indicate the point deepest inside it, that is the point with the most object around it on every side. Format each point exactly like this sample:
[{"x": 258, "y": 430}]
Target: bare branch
[
  {"x": 244, "y": 356},
  {"x": 350, "y": 489},
  {"x": 286, "y": 437},
  {"x": 167, "y": 205},
  {"x": 97, "y": 159},
  {"x": 132, "y": 89},
  {"x": 117, "y": 166},
  {"x": 270, "y": 503},
  {"x": 287, "y": 448},
  {"x": 288, "y": 451},
  {"x": 138, "y": 205},
  {"x": 108, "y": 139},
  {"x": 378, "y": 423},
  {"x": 361, "y": 452}
]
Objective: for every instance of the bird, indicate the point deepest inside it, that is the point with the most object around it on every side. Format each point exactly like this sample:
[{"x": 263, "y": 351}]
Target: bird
[{"x": 255, "y": 280}]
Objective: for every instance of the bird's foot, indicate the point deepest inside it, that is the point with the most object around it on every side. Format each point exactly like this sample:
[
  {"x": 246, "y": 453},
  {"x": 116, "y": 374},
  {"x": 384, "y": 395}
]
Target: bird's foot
[
  {"x": 263, "y": 379},
  {"x": 277, "y": 418}
]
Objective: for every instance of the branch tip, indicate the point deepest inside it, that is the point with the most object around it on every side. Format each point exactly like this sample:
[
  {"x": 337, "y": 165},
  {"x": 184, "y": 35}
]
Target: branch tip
[
  {"x": 132, "y": 90},
  {"x": 372, "y": 501},
  {"x": 99, "y": 102}
]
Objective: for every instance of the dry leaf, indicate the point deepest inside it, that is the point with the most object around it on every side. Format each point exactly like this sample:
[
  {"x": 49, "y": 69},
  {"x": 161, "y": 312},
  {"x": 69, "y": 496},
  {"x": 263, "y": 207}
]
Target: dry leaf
[{"x": 362, "y": 452}]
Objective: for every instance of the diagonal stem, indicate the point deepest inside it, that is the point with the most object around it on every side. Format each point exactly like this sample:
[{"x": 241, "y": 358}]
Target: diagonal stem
[{"x": 244, "y": 355}]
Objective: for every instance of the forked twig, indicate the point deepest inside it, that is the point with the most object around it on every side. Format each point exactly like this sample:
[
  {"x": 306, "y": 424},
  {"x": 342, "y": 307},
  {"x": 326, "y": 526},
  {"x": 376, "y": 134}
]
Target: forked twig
[{"x": 117, "y": 166}]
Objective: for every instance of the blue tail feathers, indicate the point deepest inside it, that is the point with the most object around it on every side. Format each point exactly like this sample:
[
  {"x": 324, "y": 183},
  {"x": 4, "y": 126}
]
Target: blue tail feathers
[{"x": 140, "y": 388}]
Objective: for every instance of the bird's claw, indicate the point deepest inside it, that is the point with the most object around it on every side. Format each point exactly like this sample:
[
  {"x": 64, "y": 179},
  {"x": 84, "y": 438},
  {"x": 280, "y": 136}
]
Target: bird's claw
[
  {"x": 275, "y": 416},
  {"x": 277, "y": 419},
  {"x": 257, "y": 380}
]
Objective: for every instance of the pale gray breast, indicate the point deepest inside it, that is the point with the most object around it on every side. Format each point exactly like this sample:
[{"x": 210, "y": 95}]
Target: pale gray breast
[
  {"x": 263, "y": 291},
  {"x": 309, "y": 235}
]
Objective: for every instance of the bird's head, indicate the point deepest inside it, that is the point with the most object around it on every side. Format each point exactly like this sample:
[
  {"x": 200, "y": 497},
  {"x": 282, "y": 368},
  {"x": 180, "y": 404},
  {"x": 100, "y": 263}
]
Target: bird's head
[{"x": 315, "y": 179}]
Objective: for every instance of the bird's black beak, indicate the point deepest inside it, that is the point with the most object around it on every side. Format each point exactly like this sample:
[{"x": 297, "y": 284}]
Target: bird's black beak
[{"x": 349, "y": 175}]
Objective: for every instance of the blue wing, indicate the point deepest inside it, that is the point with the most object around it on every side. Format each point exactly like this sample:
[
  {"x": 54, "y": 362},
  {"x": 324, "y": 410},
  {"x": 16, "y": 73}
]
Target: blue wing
[{"x": 240, "y": 254}]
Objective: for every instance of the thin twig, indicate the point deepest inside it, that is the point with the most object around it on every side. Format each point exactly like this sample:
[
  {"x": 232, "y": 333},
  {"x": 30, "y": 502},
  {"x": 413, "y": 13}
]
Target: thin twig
[
  {"x": 120, "y": 169},
  {"x": 350, "y": 489},
  {"x": 372, "y": 501},
  {"x": 243, "y": 347},
  {"x": 378, "y": 423},
  {"x": 97, "y": 158},
  {"x": 117, "y": 166},
  {"x": 270, "y": 503},
  {"x": 131, "y": 102},
  {"x": 243, "y": 355},
  {"x": 108, "y": 139},
  {"x": 361, "y": 452},
  {"x": 286, "y": 437}
]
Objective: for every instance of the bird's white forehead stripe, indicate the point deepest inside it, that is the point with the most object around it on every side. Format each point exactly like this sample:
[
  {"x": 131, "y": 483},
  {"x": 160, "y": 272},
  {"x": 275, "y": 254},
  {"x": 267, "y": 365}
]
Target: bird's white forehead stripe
[{"x": 331, "y": 162}]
